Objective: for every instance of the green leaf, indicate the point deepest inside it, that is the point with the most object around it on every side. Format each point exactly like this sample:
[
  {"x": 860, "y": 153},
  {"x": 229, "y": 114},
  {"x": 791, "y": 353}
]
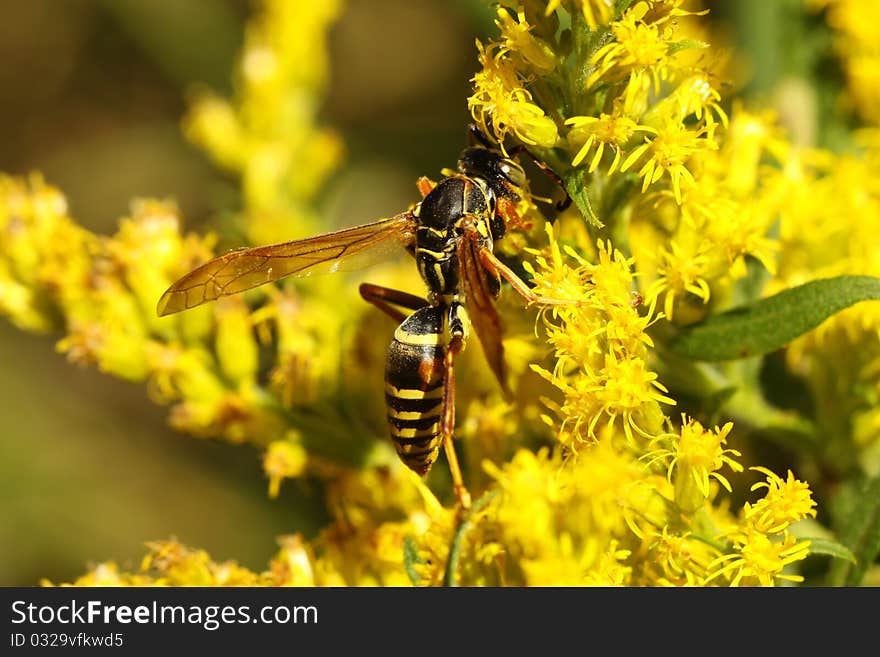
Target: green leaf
[
  {"x": 411, "y": 559},
  {"x": 860, "y": 532},
  {"x": 828, "y": 547},
  {"x": 771, "y": 323},
  {"x": 576, "y": 185},
  {"x": 685, "y": 44}
]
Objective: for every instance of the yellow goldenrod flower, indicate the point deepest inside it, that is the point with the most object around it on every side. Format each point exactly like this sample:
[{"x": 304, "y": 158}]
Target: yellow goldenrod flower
[
  {"x": 762, "y": 545},
  {"x": 303, "y": 369},
  {"x": 855, "y": 40},
  {"x": 517, "y": 38},
  {"x": 145, "y": 249},
  {"x": 759, "y": 560},
  {"x": 638, "y": 52},
  {"x": 18, "y": 302},
  {"x": 694, "y": 96},
  {"x": 268, "y": 133},
  {"x": 111, "y": 345},
  {"x": 595, "y": 12},
  {"x": 608, "y": 130},
  {"x": 215, "y": 126},
  {"x": 611, "y": 569},
  {"x": 680, "y": 273},
  {"x": 786, "y": 501},
  {"x": 501, "y": 105},
  {"x": 45, "y": 255},
  {"x": 750, "y": 137},
  {"x": 696, "y": 456},
  {"x": 600, "y": 346},
  {"x": 176, "y": 564},
  {"x": 668, "y": 152},
  {"x": 108, "y": 574},
  {"x": 744, "y": 233},
  {"x": 661, "y": 11},
  {"x": 284, "y": 459},
  {"x": 235, "y": 343},
  {"x": 677, "y": 559},
  {"x": 294, "y": 563},
  {"x": 556, "y": 524}
]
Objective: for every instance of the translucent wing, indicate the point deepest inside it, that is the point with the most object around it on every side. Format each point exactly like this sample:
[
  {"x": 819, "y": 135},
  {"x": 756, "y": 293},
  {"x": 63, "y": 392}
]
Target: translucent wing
[
  {"x": 480, "y": 294},
  {"x": 247, "y": 268}
]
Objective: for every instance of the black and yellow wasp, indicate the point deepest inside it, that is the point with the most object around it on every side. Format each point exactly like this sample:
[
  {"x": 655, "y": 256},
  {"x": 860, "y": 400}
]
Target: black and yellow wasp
[{"x": 451, "y": 234}]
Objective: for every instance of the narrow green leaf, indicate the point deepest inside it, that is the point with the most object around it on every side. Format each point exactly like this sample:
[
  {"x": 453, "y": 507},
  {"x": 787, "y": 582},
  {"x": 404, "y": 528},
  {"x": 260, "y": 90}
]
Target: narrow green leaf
[
  {"x": 576, "y": 186},
  {"x": 685, "y": 44},
  {"x": 830, "y": 548},
  {"x": 860, "y": 532},
  {"x": 769, "y": 324},
  {"x": 411, "y": 559}
]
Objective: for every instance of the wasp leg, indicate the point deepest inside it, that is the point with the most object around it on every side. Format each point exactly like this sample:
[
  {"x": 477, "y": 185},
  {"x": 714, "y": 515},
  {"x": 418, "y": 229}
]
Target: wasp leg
[
  {"x": 448, "y": 423},
  {"x": 384, "y": 298},
  {"x": 511, "y": 217},
  {"x": 491, "y": 262},
  {"x": 425, "y": 185}
]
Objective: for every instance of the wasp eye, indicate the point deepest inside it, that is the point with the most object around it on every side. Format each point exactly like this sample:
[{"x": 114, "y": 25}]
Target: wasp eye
[{"x": 513, "y": 172}]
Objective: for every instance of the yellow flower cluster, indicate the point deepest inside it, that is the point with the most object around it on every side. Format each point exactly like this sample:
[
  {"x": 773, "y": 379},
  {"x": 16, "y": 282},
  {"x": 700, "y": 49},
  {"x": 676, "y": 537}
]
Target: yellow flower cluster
[
  {"x": 633, "y": 503},
  {"x": 856, "y": 38},
  {"x": 268, "y": 134},
  {"x": 374, "y": 515},
  {"x": 604, "y": 518},
  {"x": 828, "y": 227},
  {"x": 102, "y": 292},
  {"x": 758, "y": 559},
  {"x": 644, "y": 104},
  {"x": 601, "y": 368},
  {"x": 693, "y": 249},
  {"x": 43, "y": 251},
  {"x": 209, "y": 362},
  {"x": 617, "y": 99}
]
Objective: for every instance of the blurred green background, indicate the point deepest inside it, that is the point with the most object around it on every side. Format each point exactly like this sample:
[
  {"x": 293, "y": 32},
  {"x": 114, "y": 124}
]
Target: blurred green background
[{"x": 92, "y": 96}]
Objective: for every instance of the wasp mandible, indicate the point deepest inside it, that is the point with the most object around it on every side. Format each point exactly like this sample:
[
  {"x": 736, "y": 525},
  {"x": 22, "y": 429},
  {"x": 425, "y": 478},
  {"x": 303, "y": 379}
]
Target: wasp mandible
[{"x": 451, "y": 233}]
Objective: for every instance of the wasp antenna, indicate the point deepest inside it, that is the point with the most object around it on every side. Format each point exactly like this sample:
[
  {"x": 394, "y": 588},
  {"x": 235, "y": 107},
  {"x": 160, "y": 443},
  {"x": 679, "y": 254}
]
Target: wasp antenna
[
  {"x": 477, "y": 136},
  {"x": 543, "y": 199},
  {"x": 555, "y": 177}
]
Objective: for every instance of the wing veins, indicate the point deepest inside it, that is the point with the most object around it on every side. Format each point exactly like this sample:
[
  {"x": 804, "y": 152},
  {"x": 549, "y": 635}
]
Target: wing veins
[
  {"x": 238, "y": 270},
  {"x": 481, "y": 299}
]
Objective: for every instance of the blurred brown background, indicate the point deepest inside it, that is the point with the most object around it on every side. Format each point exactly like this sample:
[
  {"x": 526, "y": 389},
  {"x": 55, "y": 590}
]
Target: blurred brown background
[{"x": 92, "y": 95}]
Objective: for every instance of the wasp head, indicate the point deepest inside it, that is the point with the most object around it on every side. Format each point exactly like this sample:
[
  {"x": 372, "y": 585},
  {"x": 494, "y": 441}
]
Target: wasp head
[
  {"x": 501, "y": 174},
  {"x": 504, "y": 178}
]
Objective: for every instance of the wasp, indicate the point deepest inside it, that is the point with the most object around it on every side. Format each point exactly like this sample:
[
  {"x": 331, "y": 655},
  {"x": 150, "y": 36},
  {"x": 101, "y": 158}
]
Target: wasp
[{"x": 451, "y": 234}]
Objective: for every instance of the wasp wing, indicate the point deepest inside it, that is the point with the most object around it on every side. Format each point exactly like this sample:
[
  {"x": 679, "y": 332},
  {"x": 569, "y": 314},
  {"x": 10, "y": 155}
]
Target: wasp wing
[
  {"x": 480, "y": 292},
  {"x": 243, "y": 269}
]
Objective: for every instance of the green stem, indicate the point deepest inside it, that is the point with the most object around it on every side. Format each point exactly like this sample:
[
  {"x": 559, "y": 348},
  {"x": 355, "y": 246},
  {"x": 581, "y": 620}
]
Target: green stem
[{"x": 465, "y": 524}]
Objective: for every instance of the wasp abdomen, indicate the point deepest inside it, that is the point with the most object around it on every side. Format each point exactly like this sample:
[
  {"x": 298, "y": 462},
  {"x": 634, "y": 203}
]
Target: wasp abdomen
[{"x": 414, "y": 380}]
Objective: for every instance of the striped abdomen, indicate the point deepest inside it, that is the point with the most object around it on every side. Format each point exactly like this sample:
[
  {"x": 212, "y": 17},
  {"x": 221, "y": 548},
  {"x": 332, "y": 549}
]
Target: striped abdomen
[{"x": 414, "y": 378}]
